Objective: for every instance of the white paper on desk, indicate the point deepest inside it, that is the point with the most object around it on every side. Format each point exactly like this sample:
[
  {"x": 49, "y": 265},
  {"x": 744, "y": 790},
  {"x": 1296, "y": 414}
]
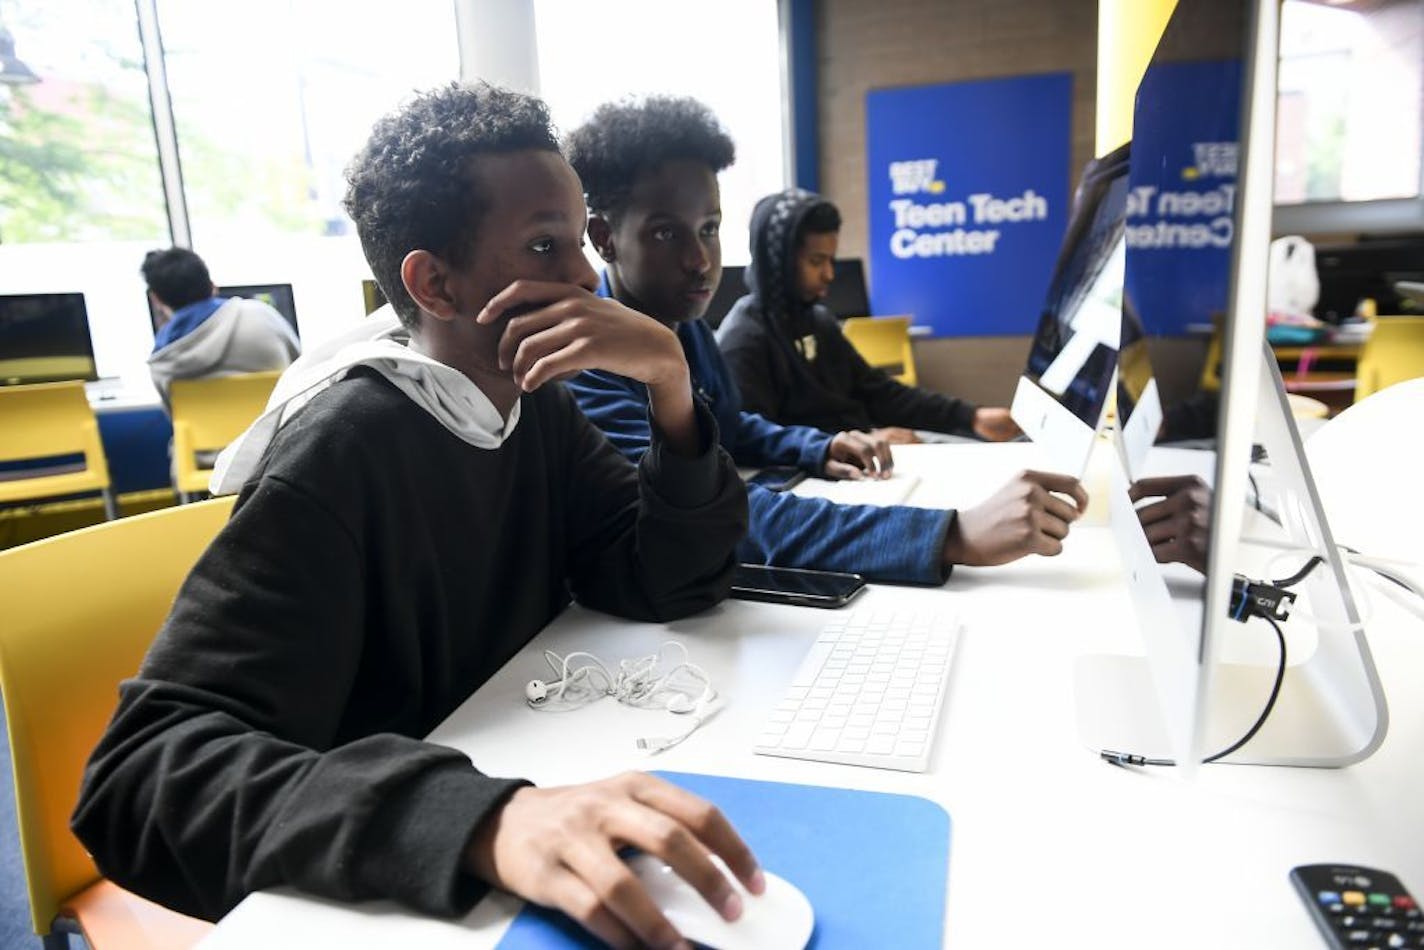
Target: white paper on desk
[{"x": 866, "y": 491}]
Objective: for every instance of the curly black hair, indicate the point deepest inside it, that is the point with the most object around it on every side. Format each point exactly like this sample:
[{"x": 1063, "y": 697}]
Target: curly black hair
[
  {"x": 411, "y": 188},
  {"x": 627, "y": 138}
]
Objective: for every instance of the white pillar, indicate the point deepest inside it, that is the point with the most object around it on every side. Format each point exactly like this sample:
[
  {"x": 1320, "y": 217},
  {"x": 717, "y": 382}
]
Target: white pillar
[
  {"x": 497, "y": 43},
  {"x": 1128, "y": 31}
]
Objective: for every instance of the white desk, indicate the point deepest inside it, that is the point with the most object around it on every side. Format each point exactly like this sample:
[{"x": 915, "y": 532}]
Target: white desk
[
  {"x": 119, "y": 394},
  {"x": 1050, "y": 846}
]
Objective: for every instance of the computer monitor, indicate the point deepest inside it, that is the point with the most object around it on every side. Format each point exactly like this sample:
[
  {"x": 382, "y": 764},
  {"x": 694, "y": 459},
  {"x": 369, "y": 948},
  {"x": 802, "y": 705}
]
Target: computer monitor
[
  {"x": 1372, "y": 267},
  {"x": 1197, "y": 235},
  {"x": 1059, "y": 400},
  {"x": 277, "y": 296},
  {"x": 371, "y": 296},
  {"x": 847, "y": 296},
  {"x": 732, "y": 288},
  {"x": 44, "y": 338}
]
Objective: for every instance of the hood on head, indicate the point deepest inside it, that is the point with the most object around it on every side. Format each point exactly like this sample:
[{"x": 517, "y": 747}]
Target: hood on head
[{"x": 771, "y": 278}]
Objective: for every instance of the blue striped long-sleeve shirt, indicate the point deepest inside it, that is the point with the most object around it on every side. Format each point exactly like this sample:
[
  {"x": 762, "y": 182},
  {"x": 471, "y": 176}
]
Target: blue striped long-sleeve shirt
[{"x": 895, "y": 544}]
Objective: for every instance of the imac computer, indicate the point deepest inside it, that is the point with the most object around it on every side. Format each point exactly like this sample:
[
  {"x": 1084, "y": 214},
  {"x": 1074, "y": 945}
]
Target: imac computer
[
  {"x": 847, "y": 296},
  {"x": 1059, "y": 400},
  {"x": 277, "y": 296},
  {"x": 730, "y": 289},
  {"x": 44, "y": 338},
  {"x": 1209, "y": 573}
]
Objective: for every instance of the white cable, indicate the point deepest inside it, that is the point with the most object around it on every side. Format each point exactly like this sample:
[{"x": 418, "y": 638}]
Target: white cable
[
  {"x": 573, "y": 688},
  {"x": 684, "y": 689},
  {"x": 1388, "y": 568},
  {"x": 655, "y": 744}
]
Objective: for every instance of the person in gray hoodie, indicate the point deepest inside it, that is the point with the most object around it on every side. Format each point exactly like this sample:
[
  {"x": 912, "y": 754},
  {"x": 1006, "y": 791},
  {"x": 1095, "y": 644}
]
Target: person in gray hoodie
[{"x": 202, "y": 334}]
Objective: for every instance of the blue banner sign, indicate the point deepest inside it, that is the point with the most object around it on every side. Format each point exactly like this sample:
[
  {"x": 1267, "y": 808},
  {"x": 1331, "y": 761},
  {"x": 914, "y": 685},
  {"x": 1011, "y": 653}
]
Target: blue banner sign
[{"x": 969, "y": 198}]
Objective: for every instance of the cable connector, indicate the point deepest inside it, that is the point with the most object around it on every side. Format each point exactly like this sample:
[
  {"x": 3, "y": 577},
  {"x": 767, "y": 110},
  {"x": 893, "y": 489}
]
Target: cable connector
[
  {"x": 703, "y": 712},
  {"x": 1122, "y": 758},
  {"x": 1258, "y": 599}
]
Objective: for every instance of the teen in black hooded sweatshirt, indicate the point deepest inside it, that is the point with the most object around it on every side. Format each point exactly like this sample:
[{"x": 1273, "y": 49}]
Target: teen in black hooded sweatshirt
[
  {"x": 416, "y": 523},
  {"x": 787, "y": 353}
]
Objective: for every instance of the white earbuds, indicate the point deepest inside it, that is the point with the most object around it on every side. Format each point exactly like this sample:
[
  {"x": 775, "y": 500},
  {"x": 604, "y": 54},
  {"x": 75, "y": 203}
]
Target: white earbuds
[
  {"x": 536, "y": 691},
  {"x": 680, "y": 703},
  {"x": 649, "y": 682}
]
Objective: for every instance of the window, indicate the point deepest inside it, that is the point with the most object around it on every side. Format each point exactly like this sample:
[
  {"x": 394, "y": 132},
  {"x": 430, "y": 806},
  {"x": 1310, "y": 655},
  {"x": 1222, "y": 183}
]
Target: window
[
  {"x": 272, "y": 99},
  {"x": 1351, "y": 101},
  {"x": 77, "y": 155},
  {"x": 726, "y": 55}
]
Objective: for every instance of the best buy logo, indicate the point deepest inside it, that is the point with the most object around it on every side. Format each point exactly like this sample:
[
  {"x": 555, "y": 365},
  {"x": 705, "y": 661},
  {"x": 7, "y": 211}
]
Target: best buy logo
[
  {"x": 915, "y": 177},
  {"x": 1213, "y": 160}
]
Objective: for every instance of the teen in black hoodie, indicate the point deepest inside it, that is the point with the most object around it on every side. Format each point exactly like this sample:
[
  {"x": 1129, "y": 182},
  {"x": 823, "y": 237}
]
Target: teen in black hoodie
[
  {"x": 787, "y": 353},
  {"x": 392, "y": 549}
]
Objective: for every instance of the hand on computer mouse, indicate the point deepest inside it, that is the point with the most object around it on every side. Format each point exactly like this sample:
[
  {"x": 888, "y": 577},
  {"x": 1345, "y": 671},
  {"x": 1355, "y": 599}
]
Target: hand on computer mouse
[
  {"x": 856, "y": 455},
  {"x": 559, "y": 847},
  {"x": 1179, "y": 526},
  {"x": 1024, "y": 517},
  {"x": 779, "y": 919}
]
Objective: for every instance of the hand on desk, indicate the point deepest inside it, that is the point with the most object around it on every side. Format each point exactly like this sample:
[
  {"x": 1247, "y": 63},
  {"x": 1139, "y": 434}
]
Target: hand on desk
[
  {"x": 558, "y": 847},
  {"x": 856, "y": 455},
  {"x": 1024, "y": 517},
  {"x": 895, "y": 435},
  {"x": 994, "y": 424},
  {"x": 1178, "y": 526}
]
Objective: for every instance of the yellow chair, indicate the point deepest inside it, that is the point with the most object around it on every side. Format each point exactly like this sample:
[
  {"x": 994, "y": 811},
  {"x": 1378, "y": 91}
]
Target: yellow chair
[
  {"x": 1211, "y": 369},
  {"x": 61, "y": 659},
  {"x": 44, "y": 421},
  {"x": 884, "y": 342},
  {"x": 1393, "y": 353},
  {"x": 207, "y": 415}
]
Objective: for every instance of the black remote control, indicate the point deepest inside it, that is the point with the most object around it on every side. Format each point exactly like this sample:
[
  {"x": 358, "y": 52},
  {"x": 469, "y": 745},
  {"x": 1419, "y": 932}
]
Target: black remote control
[{"x": 1359, "y": 907}]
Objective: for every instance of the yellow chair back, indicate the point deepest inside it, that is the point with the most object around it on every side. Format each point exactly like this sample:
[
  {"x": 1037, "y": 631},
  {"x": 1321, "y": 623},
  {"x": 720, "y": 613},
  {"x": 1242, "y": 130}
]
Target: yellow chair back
[
  {"x": 207, "y": 415},
  {"x": 1393, "y": 353},
  {"x": 62, "y": 656},
  {"x": 1211, "y": 369},
  {"x": 884, "y": 342},
  {"x": 46, "y": 420}
]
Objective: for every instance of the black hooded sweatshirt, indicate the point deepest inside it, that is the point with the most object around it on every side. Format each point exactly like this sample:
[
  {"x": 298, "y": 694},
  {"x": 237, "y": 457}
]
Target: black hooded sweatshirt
[
  {"x": 376, "y": 571},
  {"x": 789, "y": 357}
]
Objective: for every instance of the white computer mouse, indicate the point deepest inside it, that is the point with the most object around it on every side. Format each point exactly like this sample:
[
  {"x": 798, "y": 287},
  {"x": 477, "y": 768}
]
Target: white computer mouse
[{"x": 780, "y": 917}]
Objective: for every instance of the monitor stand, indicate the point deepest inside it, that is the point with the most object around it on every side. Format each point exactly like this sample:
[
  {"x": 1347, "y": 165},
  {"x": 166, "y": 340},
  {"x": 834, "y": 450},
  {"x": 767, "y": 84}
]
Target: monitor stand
[{"x": 1331, "y": 711}]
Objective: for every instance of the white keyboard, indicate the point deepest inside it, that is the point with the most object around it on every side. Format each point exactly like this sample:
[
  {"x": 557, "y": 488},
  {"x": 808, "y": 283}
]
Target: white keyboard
[
  {"x": 869, "y": 692},
  {"x": 866, "y": 491}
]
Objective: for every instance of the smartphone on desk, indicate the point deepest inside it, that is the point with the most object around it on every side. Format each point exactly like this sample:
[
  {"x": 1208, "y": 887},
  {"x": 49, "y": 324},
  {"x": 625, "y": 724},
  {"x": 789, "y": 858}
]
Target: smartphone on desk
[{"x": 790, "y": 585}]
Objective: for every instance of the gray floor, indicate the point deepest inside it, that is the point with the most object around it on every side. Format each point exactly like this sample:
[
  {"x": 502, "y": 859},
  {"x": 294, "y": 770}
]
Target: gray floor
[{"x": 14, "y": 905}]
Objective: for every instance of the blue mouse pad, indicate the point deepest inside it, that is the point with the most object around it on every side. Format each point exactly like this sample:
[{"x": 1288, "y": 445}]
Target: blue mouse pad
[{"x": 874, "y": 866}]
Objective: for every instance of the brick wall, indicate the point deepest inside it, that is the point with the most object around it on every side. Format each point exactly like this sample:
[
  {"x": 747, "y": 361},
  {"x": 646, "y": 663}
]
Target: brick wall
[{"x": 874, "y": 44}]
